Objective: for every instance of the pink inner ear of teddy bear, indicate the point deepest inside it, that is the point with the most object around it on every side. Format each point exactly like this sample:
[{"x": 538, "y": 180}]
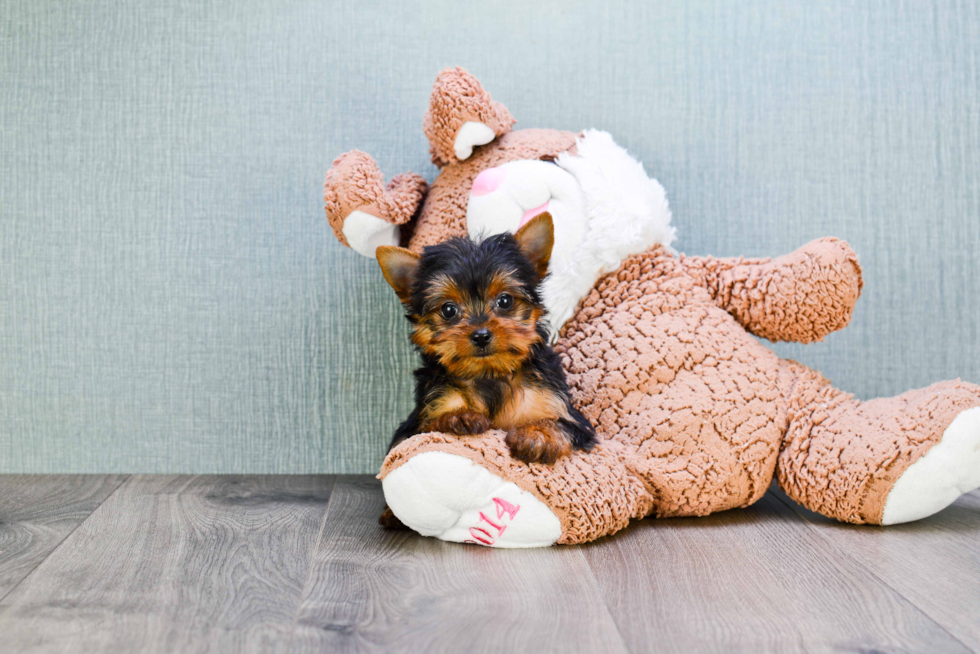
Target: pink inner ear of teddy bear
[
  {"x": 488, "y": 181},
  {"x": 531, "y": 213}
]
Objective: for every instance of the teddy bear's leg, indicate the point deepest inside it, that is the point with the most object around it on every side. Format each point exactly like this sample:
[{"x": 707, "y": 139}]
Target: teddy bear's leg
[
  {"x": 450, "y": 497},
  {"x": 949, "y": 469},
  {"x": 885, "y": 461},
  {"x": 469, "y": 489}
]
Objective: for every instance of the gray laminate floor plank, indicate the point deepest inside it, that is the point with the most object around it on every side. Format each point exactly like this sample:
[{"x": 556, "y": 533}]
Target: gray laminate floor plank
[
  {"x": 37, "y": 512},
  {"x": 175, "y": 564},
  {"x": 934, "y": 563},
  {"x": 244, "y": 564},
  {"x": 751, "y": 580},
  {"x": 376, "y": 590}
]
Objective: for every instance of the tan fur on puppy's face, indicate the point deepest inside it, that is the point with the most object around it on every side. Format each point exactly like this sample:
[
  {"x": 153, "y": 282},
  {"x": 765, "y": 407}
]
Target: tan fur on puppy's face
[{"x": 448, "y": 339}]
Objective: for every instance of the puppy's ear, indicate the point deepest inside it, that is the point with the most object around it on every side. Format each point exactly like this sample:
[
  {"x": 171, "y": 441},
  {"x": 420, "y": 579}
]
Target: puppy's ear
[
  {"x": 398, "y": 265},
  {"x": 536, "y": 239}
]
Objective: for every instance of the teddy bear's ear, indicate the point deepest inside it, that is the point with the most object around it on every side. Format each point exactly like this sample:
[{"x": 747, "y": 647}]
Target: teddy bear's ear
[{"x": 461, "y": 115}]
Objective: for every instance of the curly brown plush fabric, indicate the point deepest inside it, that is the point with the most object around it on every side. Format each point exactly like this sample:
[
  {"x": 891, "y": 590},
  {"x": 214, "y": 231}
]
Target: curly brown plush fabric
[
  {"x": 355, "y": 183},
  {"x": 801, "y": 297},
  {"x": 695, "y": 414},
  {"x": 458, "y": 97},
  {"x": 841, "y": 456},
  {"x": 569, "y": 488},
  {"x": 444, "y": 212}
]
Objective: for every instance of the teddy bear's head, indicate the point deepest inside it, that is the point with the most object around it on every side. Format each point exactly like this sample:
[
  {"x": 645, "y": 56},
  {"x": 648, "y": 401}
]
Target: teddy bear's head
[{"x": 493, "y": 179}]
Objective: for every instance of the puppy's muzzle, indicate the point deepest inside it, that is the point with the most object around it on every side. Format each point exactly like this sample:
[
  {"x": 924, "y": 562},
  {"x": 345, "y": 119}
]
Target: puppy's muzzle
[{"x": 481, "y": 337}]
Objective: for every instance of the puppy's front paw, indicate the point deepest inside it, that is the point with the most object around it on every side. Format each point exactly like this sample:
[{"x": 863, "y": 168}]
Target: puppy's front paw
[
  {"x": 389, "y": 520},
  {"x": 461, "y": 423},
  {"x": 538, "y": 442}
]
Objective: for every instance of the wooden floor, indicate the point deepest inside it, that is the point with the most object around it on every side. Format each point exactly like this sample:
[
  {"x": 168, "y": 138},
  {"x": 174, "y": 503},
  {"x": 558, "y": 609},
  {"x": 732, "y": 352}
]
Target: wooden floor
[{"x": 298, "y": 564}]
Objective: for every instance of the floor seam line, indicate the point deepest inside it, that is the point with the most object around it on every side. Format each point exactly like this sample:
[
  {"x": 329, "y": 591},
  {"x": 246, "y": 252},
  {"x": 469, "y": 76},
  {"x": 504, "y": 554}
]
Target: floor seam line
[
  {"x": 309, "y": 572},
  {"x": 605, "y": 605},
  {"x": 62, "y": 541}
]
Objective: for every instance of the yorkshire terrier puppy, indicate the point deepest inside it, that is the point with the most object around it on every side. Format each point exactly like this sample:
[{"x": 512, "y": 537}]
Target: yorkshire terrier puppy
[{"x": 478, "y": 324}]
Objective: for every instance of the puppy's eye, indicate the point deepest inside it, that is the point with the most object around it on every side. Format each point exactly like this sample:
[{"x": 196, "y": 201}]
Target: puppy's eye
[
  {"x": 448, "y": 310},
  {"x": 505, "y": 301}
]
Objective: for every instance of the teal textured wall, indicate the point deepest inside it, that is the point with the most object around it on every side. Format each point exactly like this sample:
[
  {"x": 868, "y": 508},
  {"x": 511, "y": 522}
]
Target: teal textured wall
[{"x": 171, "y": 298}]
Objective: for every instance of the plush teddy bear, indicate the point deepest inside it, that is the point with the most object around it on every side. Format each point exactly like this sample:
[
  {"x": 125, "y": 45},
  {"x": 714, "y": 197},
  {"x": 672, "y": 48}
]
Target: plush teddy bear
[{"x": 695, "y": 415}]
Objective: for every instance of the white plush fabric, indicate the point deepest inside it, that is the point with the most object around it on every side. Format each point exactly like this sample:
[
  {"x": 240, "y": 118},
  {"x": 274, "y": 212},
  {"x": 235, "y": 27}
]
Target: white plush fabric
[
  {"x": 604, "y": 207},
  {"x": 451, "y": 498},
  {"x": 627, "y": 213},
  {"x": 470, "y": 135},
  {"x": 528, "y": 186},
  {"x": 948, "y": 470},
  {"x": 366, "y": 233}
]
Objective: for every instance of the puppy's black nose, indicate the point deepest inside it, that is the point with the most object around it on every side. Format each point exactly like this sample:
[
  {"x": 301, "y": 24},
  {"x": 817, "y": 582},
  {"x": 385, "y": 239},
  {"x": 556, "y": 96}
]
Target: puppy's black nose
[{"x": 481, "y": 337}]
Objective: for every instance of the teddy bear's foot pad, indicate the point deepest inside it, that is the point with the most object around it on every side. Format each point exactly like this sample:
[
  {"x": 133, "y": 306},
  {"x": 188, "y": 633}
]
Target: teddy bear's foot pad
[
  {"x": 450, "y": 497},
  {"x": 949, "y": 469}
]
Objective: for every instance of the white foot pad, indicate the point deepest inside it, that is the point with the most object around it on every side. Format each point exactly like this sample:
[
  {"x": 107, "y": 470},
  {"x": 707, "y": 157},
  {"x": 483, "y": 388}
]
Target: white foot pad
[
  {"x": 452, "y": 498},
  {"x": 366, "y": 233},
  {"x": 948, "y": 470}
]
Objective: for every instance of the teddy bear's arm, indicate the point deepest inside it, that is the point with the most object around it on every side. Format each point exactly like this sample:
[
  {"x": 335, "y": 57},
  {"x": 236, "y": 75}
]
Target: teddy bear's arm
[
  {"x": 802, "y": 296},
  {"x": 363, "y": 212}
]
